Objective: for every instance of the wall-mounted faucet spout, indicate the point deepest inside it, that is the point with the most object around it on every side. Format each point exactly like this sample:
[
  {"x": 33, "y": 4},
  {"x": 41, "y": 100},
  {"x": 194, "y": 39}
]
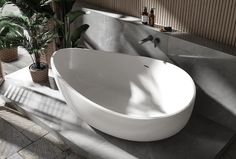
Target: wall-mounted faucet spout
[{"x": 148, "y": 38}]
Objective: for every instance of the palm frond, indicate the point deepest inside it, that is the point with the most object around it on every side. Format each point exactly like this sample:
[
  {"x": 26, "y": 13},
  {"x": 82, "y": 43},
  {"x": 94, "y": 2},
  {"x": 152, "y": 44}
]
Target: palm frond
[
  {"x": 10, "y": 35},
  {"x": 20, "y": 21},
  {"x": 29, "y": 7},
  {"x": 73, "y": 15},
  {"x": 77, "y": 34}
]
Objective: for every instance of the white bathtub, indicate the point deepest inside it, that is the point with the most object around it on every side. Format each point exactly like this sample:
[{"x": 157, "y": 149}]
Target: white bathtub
[{"x": 130, "y": 97}]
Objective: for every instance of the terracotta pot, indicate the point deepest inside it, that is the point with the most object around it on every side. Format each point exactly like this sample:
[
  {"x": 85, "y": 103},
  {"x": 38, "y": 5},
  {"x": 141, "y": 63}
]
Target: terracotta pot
[
  {"x": 8, "y": 54},
  {"x": 39, "y": 75}
]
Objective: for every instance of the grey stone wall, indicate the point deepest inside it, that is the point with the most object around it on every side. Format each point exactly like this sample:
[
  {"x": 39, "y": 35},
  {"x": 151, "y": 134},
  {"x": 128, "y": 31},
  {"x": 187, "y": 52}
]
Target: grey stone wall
[{"x": 213, "y": 71}]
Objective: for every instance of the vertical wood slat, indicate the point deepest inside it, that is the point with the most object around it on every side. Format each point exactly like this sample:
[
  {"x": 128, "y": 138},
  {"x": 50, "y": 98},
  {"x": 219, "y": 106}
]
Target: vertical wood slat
[{"x": 211, "y": 19}]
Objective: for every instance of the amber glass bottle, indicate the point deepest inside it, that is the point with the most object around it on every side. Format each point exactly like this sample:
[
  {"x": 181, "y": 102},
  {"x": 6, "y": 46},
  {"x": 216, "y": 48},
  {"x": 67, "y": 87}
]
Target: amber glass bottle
[
  {"x": 151, "y": 18},
  {"x": 144, "y": 16}
]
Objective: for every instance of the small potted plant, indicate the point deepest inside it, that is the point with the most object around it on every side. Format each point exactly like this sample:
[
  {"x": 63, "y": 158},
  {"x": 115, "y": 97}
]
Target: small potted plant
[
  {"x": 34, "y": 36},
  {"x": 8, "y": 35}
]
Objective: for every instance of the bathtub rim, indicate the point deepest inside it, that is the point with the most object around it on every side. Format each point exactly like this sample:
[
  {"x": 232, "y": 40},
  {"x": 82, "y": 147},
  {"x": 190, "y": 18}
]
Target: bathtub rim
[{"x": 58, "y": 75}]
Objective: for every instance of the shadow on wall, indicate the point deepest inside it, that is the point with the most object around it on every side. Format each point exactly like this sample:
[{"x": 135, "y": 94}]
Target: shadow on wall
[
  {"x": 216, "y": 78},
  {"x": 116, "y": 35},
  {"x": 128, "y": 39},
  {"x": 215, "y": 75}
]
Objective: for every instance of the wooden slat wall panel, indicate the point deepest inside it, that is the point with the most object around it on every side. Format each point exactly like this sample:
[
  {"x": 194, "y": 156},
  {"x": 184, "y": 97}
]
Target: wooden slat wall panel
[{"x": 211, "y": 19}]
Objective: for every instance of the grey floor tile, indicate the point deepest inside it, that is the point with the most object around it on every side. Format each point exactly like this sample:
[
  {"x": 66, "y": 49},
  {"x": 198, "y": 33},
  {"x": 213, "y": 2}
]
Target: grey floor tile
[
  {"x": 41, "y": 149},
  {"x": 2, "y": 102},
  {"x": 69, "y": 154},
  {"x": 16, "y": 120},
  {"x": 74, "y": 156},
  {"x": 11, "y": 140},
  {"x": 53, "y": 138},
  {"x": 34, "y": 132},
  {"x": 225, "y": 156},
  {"x": 15, "y": 156},
  {"x": 200, "y": 139},
  {"x": 231, "y": 151},
  {"x": 22, "y": 61},
  {"x": 9, "y": 68}
]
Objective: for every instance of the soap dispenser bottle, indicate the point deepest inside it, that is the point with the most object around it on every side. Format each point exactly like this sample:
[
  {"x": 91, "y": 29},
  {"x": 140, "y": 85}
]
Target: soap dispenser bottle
[
  {"x": 152, "y": 18},
  {"x": 144, "y": 16}
]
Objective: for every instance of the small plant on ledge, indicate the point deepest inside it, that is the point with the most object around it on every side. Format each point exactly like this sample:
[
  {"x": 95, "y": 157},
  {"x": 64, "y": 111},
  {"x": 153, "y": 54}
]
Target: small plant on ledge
[{"x": 33, "y": 34}]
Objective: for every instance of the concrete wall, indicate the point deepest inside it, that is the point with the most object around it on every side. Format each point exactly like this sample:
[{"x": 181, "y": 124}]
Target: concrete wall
[
  {"x": 213, "y": 71},
  {"x": 212, "y": 19}
]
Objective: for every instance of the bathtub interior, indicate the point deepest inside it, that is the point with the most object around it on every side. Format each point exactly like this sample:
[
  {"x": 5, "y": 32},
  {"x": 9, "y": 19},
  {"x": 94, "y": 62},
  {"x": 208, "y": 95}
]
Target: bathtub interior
[{"x": 131, "y": 85}]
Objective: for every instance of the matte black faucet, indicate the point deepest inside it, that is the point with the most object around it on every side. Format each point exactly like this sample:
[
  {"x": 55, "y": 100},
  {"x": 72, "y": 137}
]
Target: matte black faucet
[{"x": 150, "y": 38}]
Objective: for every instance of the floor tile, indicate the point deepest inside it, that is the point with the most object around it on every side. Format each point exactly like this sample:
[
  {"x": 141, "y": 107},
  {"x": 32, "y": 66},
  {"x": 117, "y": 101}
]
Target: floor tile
[
  {"x": 74, "y": 156},
  {"x": 34, "y": 132},
  {"x": 225, "y": 156},
  {"x": 200, "y": 139},
  {"x": 231, "y": 151},
  {"x": 11, "y": 140},
  {"x": 69, "y": 154},
  {"x": 22, "y": 61},
  {"x": 15, "y": 156},
  {"x": 2, "y": 102},
  {"x": 16, "y": 120},
  {"x": 53, "y": 138},
  {"x": 41, "y": 149}
]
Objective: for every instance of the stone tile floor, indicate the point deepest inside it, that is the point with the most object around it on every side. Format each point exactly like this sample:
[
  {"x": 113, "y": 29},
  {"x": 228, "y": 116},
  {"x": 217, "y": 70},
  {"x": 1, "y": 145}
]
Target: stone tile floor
[
  {"x": 23, "y": 60},
  {"x": 21, "y": 138}
]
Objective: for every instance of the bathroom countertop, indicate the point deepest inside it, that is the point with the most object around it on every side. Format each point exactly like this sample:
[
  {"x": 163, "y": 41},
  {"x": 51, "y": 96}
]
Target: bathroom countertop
[{"x": 201, "y": 138}]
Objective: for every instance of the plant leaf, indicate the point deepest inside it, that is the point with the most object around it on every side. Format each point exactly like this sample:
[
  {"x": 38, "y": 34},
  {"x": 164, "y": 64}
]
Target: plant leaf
[
  {"x": 4, "y": 31},
  {"x": 78, "y": 32},
  {"x": 17, "y": 20},
  {"x": 73, "y": 15},
  {"x": 30, "y": 7}
]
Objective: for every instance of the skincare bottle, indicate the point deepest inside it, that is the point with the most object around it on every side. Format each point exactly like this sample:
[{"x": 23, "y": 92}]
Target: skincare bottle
[
  {"x": 144, "y": 16},
  {"x": 152, "y": 18}
]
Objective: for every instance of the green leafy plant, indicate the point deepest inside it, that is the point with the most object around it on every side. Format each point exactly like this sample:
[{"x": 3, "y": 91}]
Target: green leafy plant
[
  {"x": 65, "y": 15},
  {"x": 2, "y": 2},
  {"x": 31, "y": 30},
  {"x": 28, "y": 29},
  {"x": 9, "y": 35}
]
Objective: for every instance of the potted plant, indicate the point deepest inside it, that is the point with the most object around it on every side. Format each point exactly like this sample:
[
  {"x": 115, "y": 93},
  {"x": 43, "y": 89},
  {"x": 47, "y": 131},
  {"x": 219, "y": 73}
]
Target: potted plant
[
  {"x": 8, "y": 42},
  {"x": 67, "y": 37},
  {"x": 34, "y": 35}
]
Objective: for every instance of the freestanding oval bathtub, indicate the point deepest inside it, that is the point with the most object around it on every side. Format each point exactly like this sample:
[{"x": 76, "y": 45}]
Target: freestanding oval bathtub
[{"x": 130, "y": 97}]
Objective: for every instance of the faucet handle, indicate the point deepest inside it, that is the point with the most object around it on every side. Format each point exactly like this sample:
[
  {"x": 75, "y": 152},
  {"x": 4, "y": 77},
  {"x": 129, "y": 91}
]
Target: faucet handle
[{"x": 156, "y": 41}]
